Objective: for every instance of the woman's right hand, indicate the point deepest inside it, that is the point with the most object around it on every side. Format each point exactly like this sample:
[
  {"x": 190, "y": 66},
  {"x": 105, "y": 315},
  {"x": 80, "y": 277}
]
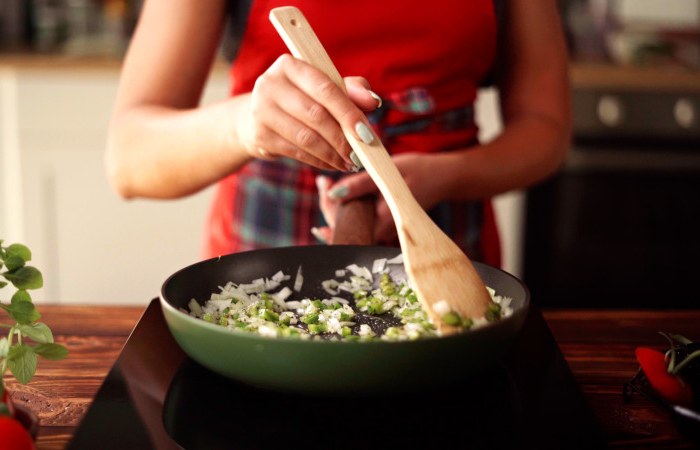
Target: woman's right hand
[{"x": 296, "y": 111}]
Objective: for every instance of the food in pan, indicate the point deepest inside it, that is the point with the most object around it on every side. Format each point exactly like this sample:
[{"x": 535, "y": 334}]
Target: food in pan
[{"x": 360, "y": 305}]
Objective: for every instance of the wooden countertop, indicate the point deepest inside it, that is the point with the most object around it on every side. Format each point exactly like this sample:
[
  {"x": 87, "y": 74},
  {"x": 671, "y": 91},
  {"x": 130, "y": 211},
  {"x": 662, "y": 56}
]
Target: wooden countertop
[
  {"x": 598, "y": 345},
  {"x": 658, "y": 78}
]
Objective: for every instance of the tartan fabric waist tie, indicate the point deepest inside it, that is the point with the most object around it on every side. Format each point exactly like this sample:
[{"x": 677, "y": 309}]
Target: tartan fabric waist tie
[{"x": 418, "y": 101}]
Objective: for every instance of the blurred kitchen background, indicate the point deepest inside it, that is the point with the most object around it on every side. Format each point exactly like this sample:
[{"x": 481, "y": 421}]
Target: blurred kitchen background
[{"x": 618, "y": 226}]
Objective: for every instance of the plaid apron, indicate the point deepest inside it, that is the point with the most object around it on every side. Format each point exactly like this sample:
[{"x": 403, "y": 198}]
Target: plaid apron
[{"x": 427, "y": 76}]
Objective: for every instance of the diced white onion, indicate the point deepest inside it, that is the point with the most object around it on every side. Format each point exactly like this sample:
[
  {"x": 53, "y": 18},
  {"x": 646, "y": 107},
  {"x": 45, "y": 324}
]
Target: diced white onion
[
  {"x": 398, "y": 259},
  {"x": 264, "y": 330},
  {"x": 294, "y": 305},
  {"x": 298, "y": 281},
  {"x": 278, "y": 277},
  {"x": 441, "y": 308},
  {"x": 195, "y": 308},
  {"x": 330, "y": 286},
  {"x": 360, "y": 272},
  {"x": 378, "y": 265}
]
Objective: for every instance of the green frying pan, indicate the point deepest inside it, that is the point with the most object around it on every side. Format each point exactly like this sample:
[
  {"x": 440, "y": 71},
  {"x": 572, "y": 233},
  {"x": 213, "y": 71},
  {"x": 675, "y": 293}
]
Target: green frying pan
[{"x": 327, "y": 367}]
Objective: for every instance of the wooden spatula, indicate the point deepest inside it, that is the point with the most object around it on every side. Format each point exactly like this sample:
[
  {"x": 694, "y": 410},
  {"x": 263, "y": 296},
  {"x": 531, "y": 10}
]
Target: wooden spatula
[{"x": 440, "y": 273}]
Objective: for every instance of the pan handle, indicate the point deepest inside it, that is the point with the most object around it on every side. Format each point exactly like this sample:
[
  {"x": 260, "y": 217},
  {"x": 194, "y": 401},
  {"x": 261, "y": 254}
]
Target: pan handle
[{"x": 354, "y": 222}]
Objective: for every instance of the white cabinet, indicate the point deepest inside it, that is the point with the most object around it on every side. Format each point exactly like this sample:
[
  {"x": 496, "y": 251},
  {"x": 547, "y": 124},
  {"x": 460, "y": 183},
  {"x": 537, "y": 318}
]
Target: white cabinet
[{"x": 91, "y": 246}]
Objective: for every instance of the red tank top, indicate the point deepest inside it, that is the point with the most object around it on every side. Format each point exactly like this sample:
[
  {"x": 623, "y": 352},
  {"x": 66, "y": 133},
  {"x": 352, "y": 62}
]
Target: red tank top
[{"x": 427, "y": 59}]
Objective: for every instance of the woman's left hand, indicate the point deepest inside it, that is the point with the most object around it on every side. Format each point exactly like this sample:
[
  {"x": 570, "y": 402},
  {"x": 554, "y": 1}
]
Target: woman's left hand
[{"x": 417, "y": 171}]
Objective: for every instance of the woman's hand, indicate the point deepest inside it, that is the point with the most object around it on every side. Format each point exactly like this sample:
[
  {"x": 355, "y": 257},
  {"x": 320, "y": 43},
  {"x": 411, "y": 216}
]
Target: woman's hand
[
  {"x": 418, "y": 170},
  {"x": 297, "y": 111}
]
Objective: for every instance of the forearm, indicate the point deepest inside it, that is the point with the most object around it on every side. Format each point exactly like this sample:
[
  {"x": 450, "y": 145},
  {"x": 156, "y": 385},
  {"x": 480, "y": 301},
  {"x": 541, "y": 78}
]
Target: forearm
[
  {"x": 164, "y": 152},
  {"x": 532, "y": 148}
]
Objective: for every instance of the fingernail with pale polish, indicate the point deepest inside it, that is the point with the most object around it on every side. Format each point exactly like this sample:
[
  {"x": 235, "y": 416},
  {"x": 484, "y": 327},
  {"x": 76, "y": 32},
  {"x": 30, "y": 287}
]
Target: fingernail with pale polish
[
  {"x": 364, "y": 132},
  {"x": 376, "y": 97},
  {"x": 318, "y": 235},
  {"x": 356, "y": 160},
  {"x": 338, "y": 192},
  {"x": 321, "y": 183}
]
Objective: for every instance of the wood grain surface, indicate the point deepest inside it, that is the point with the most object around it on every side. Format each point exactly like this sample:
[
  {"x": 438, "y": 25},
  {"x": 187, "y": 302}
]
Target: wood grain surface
[{"x": 598, "y": 345}]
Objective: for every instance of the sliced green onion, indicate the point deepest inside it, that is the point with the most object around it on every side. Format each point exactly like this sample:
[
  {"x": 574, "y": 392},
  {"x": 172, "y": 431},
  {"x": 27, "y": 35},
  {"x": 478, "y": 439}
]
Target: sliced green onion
[
  {"x": 317, "y": 328},
  {"x": 311, "y": 318},
  {"x": 493, "y": 312},
  {"x": 452, "y": 319}
]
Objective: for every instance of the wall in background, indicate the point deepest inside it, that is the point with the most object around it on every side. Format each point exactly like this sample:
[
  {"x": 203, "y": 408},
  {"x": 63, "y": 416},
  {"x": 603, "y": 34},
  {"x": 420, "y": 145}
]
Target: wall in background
[{"x": 90, "y": 245}]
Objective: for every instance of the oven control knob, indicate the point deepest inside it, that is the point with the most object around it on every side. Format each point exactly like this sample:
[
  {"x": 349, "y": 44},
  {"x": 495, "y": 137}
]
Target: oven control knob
[
  {"x": 610, "y": 111},
  {"x": 684, "y": 112}
]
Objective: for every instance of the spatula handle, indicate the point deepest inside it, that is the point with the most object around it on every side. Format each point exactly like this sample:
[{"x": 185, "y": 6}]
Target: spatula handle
[{"x": 304, "y": 44}]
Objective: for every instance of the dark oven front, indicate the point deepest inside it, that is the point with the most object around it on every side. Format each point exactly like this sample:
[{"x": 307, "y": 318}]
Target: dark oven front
[{"x": 619, "y": 225}]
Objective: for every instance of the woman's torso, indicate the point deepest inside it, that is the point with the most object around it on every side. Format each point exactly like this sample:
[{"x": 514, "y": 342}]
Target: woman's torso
[{"x": 426, "y": 59}]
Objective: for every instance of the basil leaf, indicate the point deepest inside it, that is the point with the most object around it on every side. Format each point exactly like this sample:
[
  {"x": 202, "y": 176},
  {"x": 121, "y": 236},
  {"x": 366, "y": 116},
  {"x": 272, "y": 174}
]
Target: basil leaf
[
  {"x": 2, "y": 283},
  {"x": 14, "y": 262},
  {"x": 20, "y": 251},
  {"x": 22, "y": 362},
  {"x": 4, "y": 347},
  {"x": 51, "y": 351},
  {"x": 22, "y": 312},
  {"x": 38, "y": 332},
  {"x": 26, "y": 277},
  {"x": 21, "y": 296}
]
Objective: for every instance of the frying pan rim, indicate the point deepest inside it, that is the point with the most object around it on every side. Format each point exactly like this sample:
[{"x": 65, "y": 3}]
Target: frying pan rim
[{"x": 165, "y": 304}]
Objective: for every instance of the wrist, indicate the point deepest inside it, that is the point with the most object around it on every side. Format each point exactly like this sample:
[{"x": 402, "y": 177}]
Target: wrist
[
  {"x": 455, "y": 172},
  {"x": 237, "y": 129}
]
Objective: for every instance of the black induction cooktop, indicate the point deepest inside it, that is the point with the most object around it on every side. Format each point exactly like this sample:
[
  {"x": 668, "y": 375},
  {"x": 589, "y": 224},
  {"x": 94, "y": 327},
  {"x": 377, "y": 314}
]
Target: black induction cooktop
[{"x": 155, "y": 397}]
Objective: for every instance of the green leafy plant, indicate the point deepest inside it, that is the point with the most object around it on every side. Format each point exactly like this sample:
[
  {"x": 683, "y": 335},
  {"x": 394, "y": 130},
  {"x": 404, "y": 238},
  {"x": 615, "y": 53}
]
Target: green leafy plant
[{"x": 16, "y": 354}]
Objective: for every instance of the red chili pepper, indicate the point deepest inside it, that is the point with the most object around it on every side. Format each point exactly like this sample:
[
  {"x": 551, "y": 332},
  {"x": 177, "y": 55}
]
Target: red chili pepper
[
  {"x": 669, "y": 386},
  {"x": 13, "y": 436}
]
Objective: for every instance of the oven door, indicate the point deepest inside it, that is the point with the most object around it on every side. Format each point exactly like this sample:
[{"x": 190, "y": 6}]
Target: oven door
[{"x": 618, "y": 227}]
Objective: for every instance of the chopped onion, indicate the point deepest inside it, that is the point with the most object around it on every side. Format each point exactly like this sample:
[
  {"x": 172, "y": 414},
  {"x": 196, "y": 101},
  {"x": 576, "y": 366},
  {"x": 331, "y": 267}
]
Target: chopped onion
[
  {"x": 298, "y": 281},
  {"x": 360, "y": 272},
  {"x": 295, "y": 305},
  {"x": 441, "y": 308},
  {"x": 398, "y": 259},
  {"x": 195, "y": 308},
  {"x": 281, "y": 296},
  {"x": 330, "y": 286},
  {"x": 279, "y": 276},
  {"x": 378, "y": 265}
]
